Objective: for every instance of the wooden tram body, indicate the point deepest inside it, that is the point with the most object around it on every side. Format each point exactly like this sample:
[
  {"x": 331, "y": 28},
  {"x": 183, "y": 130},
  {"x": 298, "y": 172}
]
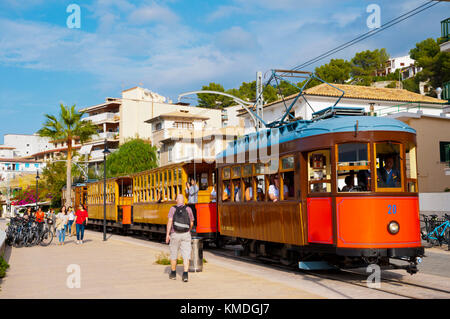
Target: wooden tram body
[
  {"x": 315, "y": 216},
  {"x": 141, "y": 202}
]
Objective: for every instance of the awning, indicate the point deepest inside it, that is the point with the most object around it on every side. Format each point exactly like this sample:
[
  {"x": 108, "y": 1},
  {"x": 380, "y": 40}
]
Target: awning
[{"x": 85, "y": 149}]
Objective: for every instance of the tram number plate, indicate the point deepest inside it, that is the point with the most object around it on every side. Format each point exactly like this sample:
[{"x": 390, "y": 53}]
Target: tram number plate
[{"x": 392, "y": 209}]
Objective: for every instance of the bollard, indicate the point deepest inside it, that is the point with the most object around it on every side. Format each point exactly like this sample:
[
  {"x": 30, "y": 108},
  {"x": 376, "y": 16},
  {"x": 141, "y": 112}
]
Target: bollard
[{"x": 196, "y": 261}]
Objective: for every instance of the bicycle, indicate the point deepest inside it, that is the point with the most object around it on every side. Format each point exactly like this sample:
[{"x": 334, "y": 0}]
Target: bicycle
[
  {"x": 430, "y": 223},
  {"x": 441, "y": 233}
]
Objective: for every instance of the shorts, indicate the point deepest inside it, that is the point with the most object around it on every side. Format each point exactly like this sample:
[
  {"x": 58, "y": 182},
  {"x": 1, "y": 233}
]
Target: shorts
[{"x": 182, "y": 242}]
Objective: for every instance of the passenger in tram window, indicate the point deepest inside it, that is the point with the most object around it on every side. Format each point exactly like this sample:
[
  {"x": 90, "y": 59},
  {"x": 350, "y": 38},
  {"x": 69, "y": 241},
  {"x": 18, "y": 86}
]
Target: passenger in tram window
[
  {"x": 226, "y": 192},
  {"x": 274, "y": 189},
  {"x": 363, "y": 180},
  {"x": 192, "y": 192},
  {"x": 237, "y": 192},
  {"x": 388, "y": 176},
  {"x": 213, "y": 194},
  {"x": 248, "y": 191},
  {"x": 349, "y": 184}
]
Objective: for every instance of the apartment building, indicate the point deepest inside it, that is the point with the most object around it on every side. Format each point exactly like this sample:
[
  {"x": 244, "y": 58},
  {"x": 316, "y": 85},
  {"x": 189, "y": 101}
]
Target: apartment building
[{"x": 148, "y": 115}]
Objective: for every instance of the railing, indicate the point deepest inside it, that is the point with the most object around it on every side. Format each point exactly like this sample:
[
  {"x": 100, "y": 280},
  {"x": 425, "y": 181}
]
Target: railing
[
  {"x": 445, "y": 29},
  {"x": 103, "y": 135},
  {"x": 101, "y": 117},
  {"x": 408, "y": 107},
  {"x": 446, "y": 91}
]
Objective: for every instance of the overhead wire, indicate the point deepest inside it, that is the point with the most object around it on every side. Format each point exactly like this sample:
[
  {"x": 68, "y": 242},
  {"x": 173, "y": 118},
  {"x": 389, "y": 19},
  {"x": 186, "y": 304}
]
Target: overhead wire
[{"x": 368, "y": 34}]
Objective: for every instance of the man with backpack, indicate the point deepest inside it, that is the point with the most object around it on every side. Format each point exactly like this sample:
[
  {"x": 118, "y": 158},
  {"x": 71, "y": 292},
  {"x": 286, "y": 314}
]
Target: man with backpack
[{"x": 178, "y": 236}]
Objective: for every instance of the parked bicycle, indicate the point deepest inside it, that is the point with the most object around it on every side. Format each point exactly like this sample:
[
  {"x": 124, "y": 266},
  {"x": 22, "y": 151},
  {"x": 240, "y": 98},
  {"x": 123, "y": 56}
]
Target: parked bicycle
[
  {"x": 28, "y": 232},
  {"x": 430, "y": 223},
  {"x": 441, "y": 232}
]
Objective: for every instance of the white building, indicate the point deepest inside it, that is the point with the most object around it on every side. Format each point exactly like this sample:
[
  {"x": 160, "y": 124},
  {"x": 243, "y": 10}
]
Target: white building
[
  {"x": 23, "y": 145},
  {"x": 120, "y": 119},
  {"x": 403, "y": 63}
]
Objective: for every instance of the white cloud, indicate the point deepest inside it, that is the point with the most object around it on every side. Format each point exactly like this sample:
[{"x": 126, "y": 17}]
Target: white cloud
[{"x": 152, "y": 13}]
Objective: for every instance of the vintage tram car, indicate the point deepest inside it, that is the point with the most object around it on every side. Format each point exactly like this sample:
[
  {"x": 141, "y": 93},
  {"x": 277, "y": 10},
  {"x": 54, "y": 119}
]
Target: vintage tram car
[
  {"x": 140, "y": 203},
  {"x": 335, "y": 200}
]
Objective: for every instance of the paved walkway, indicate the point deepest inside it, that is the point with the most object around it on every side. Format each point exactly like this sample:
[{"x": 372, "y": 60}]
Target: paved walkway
[{"x": 121, "y": 268}]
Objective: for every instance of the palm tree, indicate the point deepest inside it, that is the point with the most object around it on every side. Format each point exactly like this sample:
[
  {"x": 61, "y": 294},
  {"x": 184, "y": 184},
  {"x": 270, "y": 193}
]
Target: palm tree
[{"x": 67, "y": 127}]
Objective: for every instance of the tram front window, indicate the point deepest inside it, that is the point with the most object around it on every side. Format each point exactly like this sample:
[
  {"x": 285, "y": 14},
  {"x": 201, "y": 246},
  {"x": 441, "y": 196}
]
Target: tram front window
[
  {"x": 353, "y": 168},
  {"x": 388, "y": 165}
]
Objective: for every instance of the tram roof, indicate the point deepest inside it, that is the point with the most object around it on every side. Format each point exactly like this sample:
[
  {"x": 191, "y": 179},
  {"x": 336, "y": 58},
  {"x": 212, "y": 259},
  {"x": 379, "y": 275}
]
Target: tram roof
[{"x": 302, "y": 129}]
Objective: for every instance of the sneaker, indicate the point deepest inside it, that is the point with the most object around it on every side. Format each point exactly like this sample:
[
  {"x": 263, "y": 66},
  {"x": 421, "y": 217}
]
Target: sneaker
[
  {"x": 185, "y": 276},
  {"x": 173, "y": 275}
]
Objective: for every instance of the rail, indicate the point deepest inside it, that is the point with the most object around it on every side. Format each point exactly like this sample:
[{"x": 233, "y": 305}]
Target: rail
[{"x": 409, "y": 107}]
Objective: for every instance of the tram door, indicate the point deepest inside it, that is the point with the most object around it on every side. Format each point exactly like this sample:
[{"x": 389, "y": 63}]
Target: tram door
[{"x": 318, "y": 204}]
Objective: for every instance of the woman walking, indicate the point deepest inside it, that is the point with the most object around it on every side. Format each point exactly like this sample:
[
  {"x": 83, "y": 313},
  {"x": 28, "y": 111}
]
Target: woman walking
[
  {"x": 61, "y": 224},
  {"x": 71, "y": 216},
  {"x": 81, "y": 220}
]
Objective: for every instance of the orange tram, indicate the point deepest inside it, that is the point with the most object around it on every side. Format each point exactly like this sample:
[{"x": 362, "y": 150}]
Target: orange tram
[{"x": 341, "y": 189}]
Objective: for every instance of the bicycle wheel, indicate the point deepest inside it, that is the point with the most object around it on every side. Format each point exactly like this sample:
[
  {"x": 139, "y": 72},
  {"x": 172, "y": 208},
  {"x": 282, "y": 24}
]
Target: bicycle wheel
[
  {"x": 423, "y": 233},
  {"x": 18, "y": 240},
  {"x": 46, "y": 237}
]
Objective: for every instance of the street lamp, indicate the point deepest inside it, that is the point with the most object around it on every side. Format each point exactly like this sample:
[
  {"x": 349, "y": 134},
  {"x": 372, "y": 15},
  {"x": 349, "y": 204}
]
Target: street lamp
[
  {"x": 37, "y": 187},
  {"x": 105, "y": 152}
]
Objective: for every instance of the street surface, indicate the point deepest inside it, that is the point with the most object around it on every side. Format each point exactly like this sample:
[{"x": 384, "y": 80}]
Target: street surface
[{"x": 124, "y": 267}]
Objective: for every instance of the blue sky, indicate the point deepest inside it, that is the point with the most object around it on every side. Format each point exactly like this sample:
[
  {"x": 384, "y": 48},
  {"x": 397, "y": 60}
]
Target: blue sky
[{"x": 175, "y": 46}]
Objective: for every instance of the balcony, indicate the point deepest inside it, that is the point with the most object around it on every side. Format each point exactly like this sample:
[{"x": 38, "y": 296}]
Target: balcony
[
  {"x": 103, "y": 117},
  {"x": 105, "y": 135},
  {"x": 444, "y": 41}
]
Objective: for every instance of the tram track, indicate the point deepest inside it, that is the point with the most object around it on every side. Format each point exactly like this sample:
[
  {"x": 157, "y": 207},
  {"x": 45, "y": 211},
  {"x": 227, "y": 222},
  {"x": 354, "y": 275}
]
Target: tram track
[{"x": 350, "y": 277}]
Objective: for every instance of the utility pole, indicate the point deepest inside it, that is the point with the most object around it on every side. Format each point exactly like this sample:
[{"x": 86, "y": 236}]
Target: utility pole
[{"x": 259, "y": 98}]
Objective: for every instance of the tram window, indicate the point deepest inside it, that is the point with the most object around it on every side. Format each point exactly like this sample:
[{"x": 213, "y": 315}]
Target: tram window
[
  {"x": 248, "y": 189},
  {"x": 319, "y": 171},
  {"x": 287, "y": 177},
  {"x": 288, "y": 185},
  {"x": 411, "y": 169},
  {"x": 226, "y": 173},
  {"x": 203, "y": 181},
  {"x": 353, "y": 167},
  {"x": 237, "y": 190},
  {"x": 260, "y": 182},
  {"x": 236, "y": 171},
  {"x": 388, "y": 165}
]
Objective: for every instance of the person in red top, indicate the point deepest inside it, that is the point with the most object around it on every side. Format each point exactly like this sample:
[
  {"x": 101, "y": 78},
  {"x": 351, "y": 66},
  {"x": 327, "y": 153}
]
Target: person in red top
[
  {"x": 40, "y": 215},
  {"x": 81, "y": 219}
]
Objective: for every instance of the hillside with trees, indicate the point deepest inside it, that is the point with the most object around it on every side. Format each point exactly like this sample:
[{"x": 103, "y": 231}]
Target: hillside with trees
[{"x": 360, "y": 70}]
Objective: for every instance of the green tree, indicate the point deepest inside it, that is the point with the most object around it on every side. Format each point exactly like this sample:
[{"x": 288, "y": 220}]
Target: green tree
[
  {"x": 67, "y": 127},
  {"x": 435, "y": 64},
  {"x": 213, "y": 101},
  {"x": 365, "y": 63},
  {"x": 133, "y": 156},
  {"x": 337, "y": 71}
]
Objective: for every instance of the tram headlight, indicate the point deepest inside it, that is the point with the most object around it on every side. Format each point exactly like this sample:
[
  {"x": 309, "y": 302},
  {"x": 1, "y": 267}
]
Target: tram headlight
[{"x": 393, "y": 227}]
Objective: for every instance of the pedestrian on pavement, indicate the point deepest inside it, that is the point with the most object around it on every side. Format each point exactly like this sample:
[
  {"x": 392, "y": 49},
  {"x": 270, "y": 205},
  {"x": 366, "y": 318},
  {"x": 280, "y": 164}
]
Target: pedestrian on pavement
[
  {"x": 81, "y": 219},
  {"x": 71, "y": 218},
  {"x": 178, "y": 236},
  {"x": 61, "y": 225},
  {"x": 52, "y": 219}
]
